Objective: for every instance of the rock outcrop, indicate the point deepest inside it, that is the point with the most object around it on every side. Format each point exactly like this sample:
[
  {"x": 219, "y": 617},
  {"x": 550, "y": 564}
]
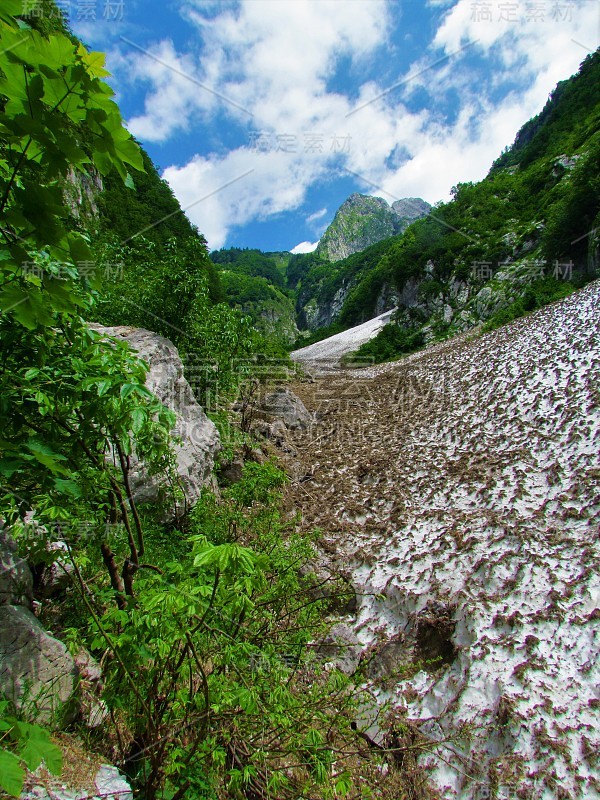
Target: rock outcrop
[
  {"x": 37, "y": 673},
  {"x": 284, "y": 405},
  {"x": 16, "y": 581},
  {"x": 198, "y": 437}
]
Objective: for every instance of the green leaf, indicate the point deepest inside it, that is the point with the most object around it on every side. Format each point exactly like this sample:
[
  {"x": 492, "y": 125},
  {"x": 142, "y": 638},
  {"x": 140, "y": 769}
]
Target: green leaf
[
  {"x": 38, "y": 748},
  {"x": 26, "y": 306},
  {"x": 10, "y": 9},
  {"x": 138, "y": 416},
  {"x": 94, "y": 62},
  {"x": 103, "y": 387},
  {"x": 12, "y": 774},
  {"x": 46, "y": 456},
  {"x": 68, "y": 487},
  {"x": 127, "y": 389}
]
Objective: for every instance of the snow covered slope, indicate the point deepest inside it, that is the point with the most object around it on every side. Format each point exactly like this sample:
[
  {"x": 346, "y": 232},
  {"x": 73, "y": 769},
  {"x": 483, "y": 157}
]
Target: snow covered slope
[
  {"x": 461, "y": 488},
  {"x": 327, "y": 353}
]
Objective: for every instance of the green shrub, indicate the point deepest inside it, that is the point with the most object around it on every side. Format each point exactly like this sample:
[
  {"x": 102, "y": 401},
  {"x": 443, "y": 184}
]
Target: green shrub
[
  {"x": 536, "y": 295},
  {"x": 392, "y": 341}
]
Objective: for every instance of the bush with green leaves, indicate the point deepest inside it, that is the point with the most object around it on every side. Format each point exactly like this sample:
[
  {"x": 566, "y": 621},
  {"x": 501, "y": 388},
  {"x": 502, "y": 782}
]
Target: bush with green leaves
[
  {"x": 536, "y": 295},
  {"x": 211, "y": 674},
  {"x": 392, "y": 341},
  {"x": 23, "y": 747}
]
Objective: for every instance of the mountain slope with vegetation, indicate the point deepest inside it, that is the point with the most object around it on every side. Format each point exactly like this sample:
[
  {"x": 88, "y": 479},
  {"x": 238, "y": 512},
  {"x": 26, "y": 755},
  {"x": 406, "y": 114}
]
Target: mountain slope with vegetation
[
  {"x": 255, "y": 283},
  {"x": 525, "y": 235}
]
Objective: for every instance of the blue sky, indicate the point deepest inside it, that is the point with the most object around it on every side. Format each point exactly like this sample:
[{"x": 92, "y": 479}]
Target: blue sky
[{"x": 265, "y": 115}]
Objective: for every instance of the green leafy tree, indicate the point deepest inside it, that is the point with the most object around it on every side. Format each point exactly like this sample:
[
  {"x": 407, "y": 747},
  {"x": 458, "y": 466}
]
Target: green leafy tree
[{"x": 68, "y": 395}]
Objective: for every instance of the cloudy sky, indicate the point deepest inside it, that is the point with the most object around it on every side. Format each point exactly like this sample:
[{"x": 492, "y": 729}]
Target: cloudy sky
[{"x": 265, "y": 115}]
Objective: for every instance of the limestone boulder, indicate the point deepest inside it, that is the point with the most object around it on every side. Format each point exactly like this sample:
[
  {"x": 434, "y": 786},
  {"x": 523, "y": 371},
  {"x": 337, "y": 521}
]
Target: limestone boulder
[
  {"x": 195, "y": 437},
  {"x": 341, "y": 648},
  {"x": 284, "y": 405},
  {"x": 37, "y": 673}
]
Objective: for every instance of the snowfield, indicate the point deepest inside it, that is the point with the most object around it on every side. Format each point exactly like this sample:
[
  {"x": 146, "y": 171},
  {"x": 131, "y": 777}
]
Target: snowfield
[
  {"x": 460, "y": 488},
  {"x": 326, "y": 354}
]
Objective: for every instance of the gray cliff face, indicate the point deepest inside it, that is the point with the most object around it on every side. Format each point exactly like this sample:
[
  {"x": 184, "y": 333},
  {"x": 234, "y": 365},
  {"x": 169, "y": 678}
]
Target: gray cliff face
[
  {"x": 411, "y": 208},
  {"x": 363, "y": 220},
  {"x": 81, "y": 194},
  {"x": 315, "y": 315}
]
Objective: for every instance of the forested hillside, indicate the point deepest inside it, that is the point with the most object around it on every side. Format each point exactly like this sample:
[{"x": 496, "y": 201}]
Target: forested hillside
[
  {"x": 526, "y": 234},
  {"x": 255, "y": 283}
]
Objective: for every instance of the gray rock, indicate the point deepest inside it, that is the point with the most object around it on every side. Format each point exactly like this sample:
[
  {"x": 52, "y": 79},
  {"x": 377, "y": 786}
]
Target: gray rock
[
  {"x": 487, "y": 301},
  {"x": 58, "y": 575},
  {"x": 341, "y": 648},
  {"x": 389, "y": 659},
  {"x": 231, "y": 472},
  {"x": 16, "y": 581},
  {"x": 199, "y": 437},
  {"x": 411, "y": 208},
  {"x": 275, "y": 432},
  {"x": 563, "y": 164},
  {"x": 111, "y": 785},
  {"x": 284, "y": 405},
  {"x": 316, "y": 315},
  {"x": 363, "y": 220},
  {"x": 409, "y": 296},
  {"x": 386, "y": 299},
  {"x": 93, "y": 709},
  {"x": 36, "y": 671}
]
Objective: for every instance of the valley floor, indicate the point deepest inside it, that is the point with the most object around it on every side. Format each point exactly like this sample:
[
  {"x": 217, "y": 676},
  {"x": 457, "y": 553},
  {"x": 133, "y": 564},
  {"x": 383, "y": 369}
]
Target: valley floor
[{"x": 460, "y": 488}]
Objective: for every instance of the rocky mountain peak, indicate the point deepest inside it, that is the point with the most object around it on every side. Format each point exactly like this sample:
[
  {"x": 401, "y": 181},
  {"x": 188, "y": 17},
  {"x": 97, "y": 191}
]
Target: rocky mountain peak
[
  {"x": 363, "y": 220},
  {"x": 411, "y": 208}
]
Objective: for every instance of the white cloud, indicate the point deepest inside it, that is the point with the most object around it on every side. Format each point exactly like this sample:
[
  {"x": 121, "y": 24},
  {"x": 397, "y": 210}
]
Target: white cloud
[
  {"x": 304, "y": 247},
  {"x": 177, "y": 93},
  {"x": 275, "y": 59},
  {"x": 317, "y": 215},
  {"x": 241, "y": 186}
]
